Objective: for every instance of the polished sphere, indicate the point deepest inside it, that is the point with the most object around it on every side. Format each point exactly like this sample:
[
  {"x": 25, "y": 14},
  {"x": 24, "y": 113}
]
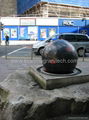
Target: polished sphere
[{"x": 59, "y": 57}]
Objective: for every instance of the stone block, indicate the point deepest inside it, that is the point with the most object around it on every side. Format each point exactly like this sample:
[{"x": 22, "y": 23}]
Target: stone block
[{"x": 51, "y": 81}]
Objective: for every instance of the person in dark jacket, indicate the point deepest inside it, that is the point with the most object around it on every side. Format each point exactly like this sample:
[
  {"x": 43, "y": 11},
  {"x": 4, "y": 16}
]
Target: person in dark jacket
[{"x": 7, "y": 40}]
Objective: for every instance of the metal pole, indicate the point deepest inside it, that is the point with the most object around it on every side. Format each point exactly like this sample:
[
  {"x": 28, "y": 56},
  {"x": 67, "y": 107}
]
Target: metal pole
[
  {"x": 0, "y": 36},
  {"x": 32, "y": 54},
  {"x": 84, "y": 47},
  {"x": 6, "y": 51},
  {"x": 0, "y": 32},
  {"x": 83, "y": 54},
  {"x": 1, "y": 29}
]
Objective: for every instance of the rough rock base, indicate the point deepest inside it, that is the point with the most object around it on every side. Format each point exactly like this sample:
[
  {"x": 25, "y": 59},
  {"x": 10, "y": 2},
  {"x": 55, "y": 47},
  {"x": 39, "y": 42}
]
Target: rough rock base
[{"x": 27, "y": 101}]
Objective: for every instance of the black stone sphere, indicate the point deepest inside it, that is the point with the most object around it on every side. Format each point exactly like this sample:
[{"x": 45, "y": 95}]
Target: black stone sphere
[{"x": 59, "y": 57}]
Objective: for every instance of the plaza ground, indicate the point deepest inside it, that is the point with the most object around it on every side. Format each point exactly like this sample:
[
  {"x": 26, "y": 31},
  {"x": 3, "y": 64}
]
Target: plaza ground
[
  {"x": 18, "y": 42},
  {"x": 19, "y": 57},
  {"x": 12, "y": 64},
  {"x": 16, "y": 60}
]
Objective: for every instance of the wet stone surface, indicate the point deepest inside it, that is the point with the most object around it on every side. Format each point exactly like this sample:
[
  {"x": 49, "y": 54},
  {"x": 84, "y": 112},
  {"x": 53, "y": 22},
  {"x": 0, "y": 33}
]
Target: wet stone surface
[{"x": 27, "y": 101}]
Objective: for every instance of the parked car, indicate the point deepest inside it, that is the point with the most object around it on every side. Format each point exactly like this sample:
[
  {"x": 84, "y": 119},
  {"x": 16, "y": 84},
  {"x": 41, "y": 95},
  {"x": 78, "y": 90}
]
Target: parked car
[
  {"x": 78, "y": 40},
  {"x": 39, "y": 46}
]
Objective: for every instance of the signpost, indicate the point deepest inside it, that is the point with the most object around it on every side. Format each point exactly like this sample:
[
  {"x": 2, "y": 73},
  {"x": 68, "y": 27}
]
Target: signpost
[{"x": 1, "y": 28}]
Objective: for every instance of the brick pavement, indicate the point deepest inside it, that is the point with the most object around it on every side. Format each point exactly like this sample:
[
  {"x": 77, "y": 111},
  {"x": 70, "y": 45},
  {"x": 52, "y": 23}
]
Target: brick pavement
[{"x": 10, "y": 65}]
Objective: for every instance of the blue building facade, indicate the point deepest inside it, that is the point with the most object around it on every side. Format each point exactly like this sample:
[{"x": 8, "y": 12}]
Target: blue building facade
[
  {"x": 40, "y": 32},
  {"x": 23, "y": 5}
]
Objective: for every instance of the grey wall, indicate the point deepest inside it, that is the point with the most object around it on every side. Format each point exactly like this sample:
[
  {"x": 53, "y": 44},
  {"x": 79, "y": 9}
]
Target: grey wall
[{"x": 8, "y": 7}]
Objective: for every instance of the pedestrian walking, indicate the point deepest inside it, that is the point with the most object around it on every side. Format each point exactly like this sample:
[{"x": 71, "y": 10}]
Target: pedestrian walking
[{"x": 7, "y": 40}]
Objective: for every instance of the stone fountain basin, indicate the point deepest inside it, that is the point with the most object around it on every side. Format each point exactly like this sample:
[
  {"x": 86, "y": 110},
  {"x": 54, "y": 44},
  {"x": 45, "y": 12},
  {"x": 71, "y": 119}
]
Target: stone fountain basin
[{"x": 51, "y": 81}]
